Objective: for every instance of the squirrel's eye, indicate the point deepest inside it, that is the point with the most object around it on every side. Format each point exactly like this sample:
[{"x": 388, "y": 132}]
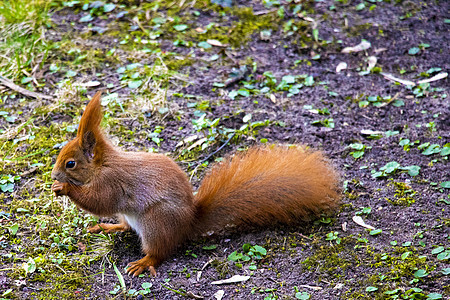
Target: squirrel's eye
[{"x": 70, "y": 164}]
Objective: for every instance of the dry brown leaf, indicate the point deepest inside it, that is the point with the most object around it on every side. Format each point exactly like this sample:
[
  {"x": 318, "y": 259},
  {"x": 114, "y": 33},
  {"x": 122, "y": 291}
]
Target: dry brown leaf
[
  {"x": 364, "y": 45},
  {"x": 187, "y": 140},
  {"x": 358, "y": 220},
  {"x": 315, "y": 288},
  {"x": 197, "y": 143},
  {"x": 216, "y": 43},
  {"x": 370, "y": 132},
  {"x": 341, "y": 66},
  {"x": 273, "y": 98},
  {"x": 219, "y": 294},
  {"x": 402, "y": 81},
  {"x": 434, "y": 78},
  {"x": 234, "y": 279},
  {"x": 371, "y": 62}
]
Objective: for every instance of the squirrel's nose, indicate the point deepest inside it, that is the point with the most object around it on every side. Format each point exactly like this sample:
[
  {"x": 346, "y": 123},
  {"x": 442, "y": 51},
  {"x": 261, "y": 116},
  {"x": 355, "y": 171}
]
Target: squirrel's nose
[{"x": 53, "y": 176}]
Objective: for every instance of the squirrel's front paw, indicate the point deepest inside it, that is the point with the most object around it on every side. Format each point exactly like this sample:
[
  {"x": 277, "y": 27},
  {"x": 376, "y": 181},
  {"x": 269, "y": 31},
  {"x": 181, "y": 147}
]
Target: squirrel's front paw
[
  {"x": 60, "y": 188},
  {"x": 146, "y": 263}
]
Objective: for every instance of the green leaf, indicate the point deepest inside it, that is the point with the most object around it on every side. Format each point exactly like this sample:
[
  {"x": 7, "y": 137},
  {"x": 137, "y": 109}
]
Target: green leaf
[
  {"x": 120, "y": 277},
  {"x": 445, "y": 184},
  {"x": 108, "y": 7},
  {"x": 235, "y": 256},
  {"x": 211, "y": 247},
  {"x": 134, "y": 84},
  {"x": 309, "y": 81},
  {"x": 444, "y": 255},
  {"x": 437, "y": 250},
  {"x": 413, "y": 51},
  {"x": 26, "y": 80},
  {"x": 71, "y": 73},
  {"x": 86, "y": 18},
  {"x": 391, "y": 167},
  {"x": 445, "y": 149},
  {"x": 404, "y": 142},
  {"x": 378, "y": 174},
  {"x": 420, "y": 273},
  {"x": 180, "y": 27},
  {"x": 412, "y": 170},
  {"x": 405, "y": 255},
  {"x": 390, "y": 133},
  {"x": 146, "y": 285},
  {"x": 434, "y": 296},
  {"x": 398, "y": 103},
  {"x": 357, "y": 146},
  {"x": 371, "y": 289},
  {"x": 13, "y": 229},
  {"x": 358, "y": 154},
  {"x": 363, "y": 103},
  {"x": 260, "y": 250},
  {"x": 7, "y": 187},
  {"x": 246, "y": 258},
  {"x": 375, "y": 232},
  {"x": 360, "y": 6},
  {"x": 29, "y": 266},
  {"x": 243, "y": 92},
  {"x": 289, "y": 79},
  {"x": 302, "y": 295},
  {"x": 392, "y": 292},
  {"x": 316, "y": 34},
  {"x": 232, "y": 94},
  {"x": 432, "y": 149},
  {"x": 204, "y": 45},
  {"x": 445, "y": 271}
]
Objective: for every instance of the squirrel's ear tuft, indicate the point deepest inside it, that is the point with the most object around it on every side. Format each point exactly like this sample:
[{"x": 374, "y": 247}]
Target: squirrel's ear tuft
[{"x": 91, "y": 118}]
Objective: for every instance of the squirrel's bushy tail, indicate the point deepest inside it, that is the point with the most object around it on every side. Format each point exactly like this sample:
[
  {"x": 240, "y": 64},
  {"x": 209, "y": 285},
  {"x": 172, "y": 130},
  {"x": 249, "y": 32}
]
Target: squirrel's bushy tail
[{"x": 266, "y": 185}]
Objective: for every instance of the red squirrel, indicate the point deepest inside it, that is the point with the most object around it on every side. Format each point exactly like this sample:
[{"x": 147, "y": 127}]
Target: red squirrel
[{"x": 150, "y": 194}]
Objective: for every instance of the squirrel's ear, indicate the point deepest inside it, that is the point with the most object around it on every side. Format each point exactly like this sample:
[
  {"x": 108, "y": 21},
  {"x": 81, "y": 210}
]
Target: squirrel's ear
[
  {"x": 91, "y": 118},
  {"x": 88, "y": 142},
  {"x": 89, "y": 129}
]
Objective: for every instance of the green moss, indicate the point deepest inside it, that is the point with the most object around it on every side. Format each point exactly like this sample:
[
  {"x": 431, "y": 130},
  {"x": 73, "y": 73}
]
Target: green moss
[
  {"x": 333, "y": 260},
  {"x": 176, "y": 64},
  {"x": 404, "y": 194},
  {"x": 356, "y": 30},
  {"x": 244, "y": 23}
]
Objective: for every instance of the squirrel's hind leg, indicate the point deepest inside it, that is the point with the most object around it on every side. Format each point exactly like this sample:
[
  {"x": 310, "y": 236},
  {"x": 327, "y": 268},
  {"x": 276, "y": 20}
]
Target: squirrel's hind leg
[
  {"x": 146, "y": 263},
  {"x": 110, "y": 228}
]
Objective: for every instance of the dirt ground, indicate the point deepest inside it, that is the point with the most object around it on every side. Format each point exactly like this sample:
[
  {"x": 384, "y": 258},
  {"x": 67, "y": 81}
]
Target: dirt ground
[{"x": 262, "y": 75}]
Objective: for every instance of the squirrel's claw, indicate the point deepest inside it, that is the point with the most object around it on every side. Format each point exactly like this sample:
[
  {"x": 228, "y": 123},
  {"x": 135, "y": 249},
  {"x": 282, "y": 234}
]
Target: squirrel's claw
[
  {"x": 59, "y": 188},
  {"x": 95, "y": 229},
  {"x": 137, "y": 267}
]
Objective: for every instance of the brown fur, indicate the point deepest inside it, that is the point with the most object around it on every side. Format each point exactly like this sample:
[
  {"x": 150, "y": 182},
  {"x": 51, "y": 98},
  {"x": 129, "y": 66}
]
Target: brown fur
[
  {"x": 266, "y": 185},
  {"x": 152, "y": 195}
]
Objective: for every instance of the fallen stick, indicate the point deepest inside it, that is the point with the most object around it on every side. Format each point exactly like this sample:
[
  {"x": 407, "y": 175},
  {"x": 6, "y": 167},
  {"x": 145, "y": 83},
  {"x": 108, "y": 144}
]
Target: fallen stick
[{"x": 8, "y": 83}]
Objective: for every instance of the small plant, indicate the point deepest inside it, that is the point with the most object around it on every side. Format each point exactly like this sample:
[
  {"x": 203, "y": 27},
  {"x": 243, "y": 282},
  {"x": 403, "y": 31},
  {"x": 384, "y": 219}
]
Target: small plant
[
  {"x": 407, "y": 144},
  {"x": 301, "y": 295},
  {"x": 250, "y": 253},
  {"x": 358, "y": 149},
  {"x": 391, "y": 168},
  {"x": 442, "y": 253},
  {"x": 364, "y": 211},
  {"x": 329, "y": 123},
  {"x": 430, "y": 149},
  {"x": 333, "y": 236},
  {"x": 7, "y": 183}
]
